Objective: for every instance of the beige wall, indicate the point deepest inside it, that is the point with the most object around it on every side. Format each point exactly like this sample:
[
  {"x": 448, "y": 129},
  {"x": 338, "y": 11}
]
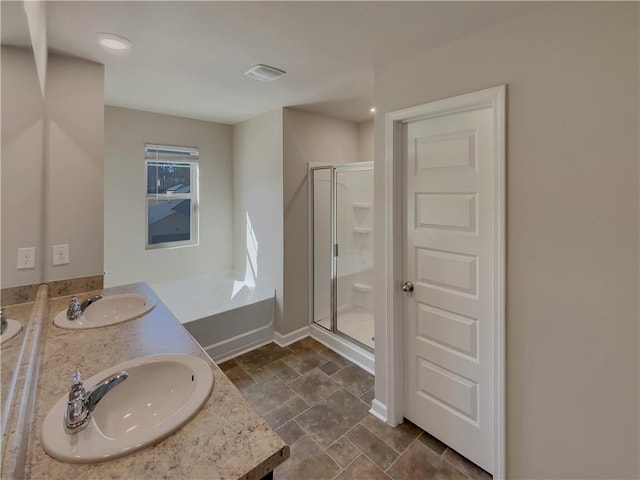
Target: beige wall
[
  {"x": 308, "y": 137},
  {"x": 572, "y": 226},
  {"x": 74, "y": 166},
  {"x": 126, "y": 260},
  {"x": 365, "y": 141},
  {"x": 257, "y": 203},
  {"x": 52, "y": 166},
  {"x": 21, "y": 167}
]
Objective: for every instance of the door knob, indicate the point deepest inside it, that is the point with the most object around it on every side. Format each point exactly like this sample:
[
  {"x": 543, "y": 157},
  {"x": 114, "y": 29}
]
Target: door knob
[{"x": 407, "y": 286}]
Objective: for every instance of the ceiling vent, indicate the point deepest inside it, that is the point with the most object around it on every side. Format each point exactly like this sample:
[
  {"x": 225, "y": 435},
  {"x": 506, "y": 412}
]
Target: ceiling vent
[{"x": 264, "y": 73}]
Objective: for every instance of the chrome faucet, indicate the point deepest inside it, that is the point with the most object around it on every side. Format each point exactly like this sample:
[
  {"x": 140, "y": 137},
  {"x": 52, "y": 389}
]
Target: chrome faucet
[
  {"x": 77, "y": 412},
  {"x": 76, "y": 309}
]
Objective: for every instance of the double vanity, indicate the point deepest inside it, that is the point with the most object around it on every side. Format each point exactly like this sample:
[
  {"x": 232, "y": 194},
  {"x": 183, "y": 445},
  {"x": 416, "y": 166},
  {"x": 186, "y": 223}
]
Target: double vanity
[{"x": 159, "y": 406}]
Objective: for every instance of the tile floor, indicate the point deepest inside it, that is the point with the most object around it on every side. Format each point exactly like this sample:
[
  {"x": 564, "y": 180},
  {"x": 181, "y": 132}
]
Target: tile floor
[{"x": 318, "y": 402}]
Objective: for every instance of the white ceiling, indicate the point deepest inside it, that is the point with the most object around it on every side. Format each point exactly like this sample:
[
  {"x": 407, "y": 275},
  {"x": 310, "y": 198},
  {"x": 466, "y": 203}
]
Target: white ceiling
[{"x": 188, "y": 58}]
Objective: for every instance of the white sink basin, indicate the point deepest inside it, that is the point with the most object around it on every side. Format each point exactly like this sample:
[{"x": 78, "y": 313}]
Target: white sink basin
[
  {"x": 109, "y": 310},
  {"x": 161, "y": 394},
  {"x": 14, "y": 327}
]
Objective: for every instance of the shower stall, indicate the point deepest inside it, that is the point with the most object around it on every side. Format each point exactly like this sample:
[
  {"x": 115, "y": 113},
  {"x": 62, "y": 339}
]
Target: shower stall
[{"x": 341, "y": 252}]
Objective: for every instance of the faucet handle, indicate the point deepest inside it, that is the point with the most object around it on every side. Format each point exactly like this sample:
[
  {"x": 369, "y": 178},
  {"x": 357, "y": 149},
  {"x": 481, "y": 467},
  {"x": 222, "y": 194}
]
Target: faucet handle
[
  {"x": 77, "y": 387},
  {"x": 77, "y": 378},
  {"x": 74, "y": 311}
]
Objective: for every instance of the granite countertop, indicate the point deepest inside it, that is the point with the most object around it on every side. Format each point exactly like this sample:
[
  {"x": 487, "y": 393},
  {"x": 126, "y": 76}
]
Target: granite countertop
[
  {"x": 10, "y": 350},
  {"x": 226, "y": 440}
]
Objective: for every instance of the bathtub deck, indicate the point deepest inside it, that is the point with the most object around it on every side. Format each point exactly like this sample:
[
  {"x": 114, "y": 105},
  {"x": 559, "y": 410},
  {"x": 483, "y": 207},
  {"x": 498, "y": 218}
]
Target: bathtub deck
[{"x": 192, "y": 299}]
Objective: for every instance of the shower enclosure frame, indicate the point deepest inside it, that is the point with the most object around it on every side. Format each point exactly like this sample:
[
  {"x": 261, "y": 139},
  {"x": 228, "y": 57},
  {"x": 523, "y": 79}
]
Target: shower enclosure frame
[{"x": 334, "y": 169}]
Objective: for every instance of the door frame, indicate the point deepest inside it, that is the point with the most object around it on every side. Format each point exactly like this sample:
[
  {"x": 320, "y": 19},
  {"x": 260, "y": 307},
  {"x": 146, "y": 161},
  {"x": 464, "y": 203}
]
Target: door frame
[{"x": 494, "y": 97}]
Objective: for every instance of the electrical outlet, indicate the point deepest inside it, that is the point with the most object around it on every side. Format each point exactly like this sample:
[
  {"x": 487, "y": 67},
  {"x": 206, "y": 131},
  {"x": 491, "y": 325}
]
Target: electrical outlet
[
  {"x": 60, "y": 254},
  {"x": 26, "y": 258}
]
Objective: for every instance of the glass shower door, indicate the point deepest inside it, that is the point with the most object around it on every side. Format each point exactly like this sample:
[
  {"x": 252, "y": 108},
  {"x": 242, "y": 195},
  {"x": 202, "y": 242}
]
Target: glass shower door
[
  {"x": 322, "y": 256},
  {"x": 353, "y": 234},
  {"x": 341, "y": 260}
]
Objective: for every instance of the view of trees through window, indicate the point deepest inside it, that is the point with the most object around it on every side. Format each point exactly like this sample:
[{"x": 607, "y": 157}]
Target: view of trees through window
[{"x": 167, "y": 177}]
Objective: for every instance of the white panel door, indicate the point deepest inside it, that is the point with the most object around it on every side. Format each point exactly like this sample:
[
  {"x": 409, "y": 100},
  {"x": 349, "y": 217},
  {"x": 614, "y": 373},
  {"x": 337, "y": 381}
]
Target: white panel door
[{"x": 449, "y": 258}]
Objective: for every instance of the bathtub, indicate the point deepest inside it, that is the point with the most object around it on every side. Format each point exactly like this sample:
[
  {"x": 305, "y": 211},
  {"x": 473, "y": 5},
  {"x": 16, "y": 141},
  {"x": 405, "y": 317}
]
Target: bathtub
[{"x": 226, "y": 316}]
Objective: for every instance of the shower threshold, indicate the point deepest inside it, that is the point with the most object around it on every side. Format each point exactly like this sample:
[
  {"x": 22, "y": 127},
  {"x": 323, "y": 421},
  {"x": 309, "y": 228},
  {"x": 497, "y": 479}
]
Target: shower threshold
[{"x": 355, "y": 322}]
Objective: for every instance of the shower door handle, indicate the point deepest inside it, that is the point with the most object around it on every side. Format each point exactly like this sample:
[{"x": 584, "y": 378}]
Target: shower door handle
[{"x": 407, "y": 286}]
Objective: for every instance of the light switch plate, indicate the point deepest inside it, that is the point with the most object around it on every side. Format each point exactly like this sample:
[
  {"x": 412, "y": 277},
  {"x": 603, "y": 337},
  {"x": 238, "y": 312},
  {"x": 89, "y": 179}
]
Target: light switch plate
[
  {"x": 26, "y": 258},
  {"x": 60, "y": 254}
]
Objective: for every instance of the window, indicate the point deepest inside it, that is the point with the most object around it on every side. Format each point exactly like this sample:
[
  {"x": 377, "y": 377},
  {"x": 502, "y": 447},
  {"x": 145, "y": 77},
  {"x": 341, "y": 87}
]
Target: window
[{"x": 172, "y": 196}]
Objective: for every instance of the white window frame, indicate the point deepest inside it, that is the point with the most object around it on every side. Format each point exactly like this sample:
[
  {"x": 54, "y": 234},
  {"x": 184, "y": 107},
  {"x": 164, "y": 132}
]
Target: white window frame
[{"x": 173, "y": 155}]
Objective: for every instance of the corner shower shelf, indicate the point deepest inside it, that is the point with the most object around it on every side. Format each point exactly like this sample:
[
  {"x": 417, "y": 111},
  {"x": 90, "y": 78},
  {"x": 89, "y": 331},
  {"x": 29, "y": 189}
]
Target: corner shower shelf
[
  {"x": 362, "y": 287},
  {"x": 362, "y": 230},
  {"x": 362, "y": 205}
]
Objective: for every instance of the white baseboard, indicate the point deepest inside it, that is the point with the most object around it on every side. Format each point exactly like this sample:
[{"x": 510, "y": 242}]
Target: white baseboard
[
  {"x": 379, "y": 410},
  {"x": 289, "y": 338},
  {"x": 223, "y": 357},
  {"x": 358, "y": 355},
  {"x": 233, "y": 347},
  {"x": 236, "y": 346}
]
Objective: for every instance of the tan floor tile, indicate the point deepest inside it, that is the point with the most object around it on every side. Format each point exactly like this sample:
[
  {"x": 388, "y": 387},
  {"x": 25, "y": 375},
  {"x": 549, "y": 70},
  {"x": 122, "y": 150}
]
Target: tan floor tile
[
  {"x": 332, "y": 417},
  {"x": 312, "y": 343},
  {"x": 239, "y": 377},
  {"x": 261, "y": 357},
  {"x": 420, "y": 462},
  {"x": 290, "y": 432},
  {"x": 339, "y": 360},
  {"x": 296, "y": 346},
  {"x": 329, "y": 367},
  {"x": 307, "y": 462},
  {"x": 283, "y": 371},
  {"x": 465, "y": 466},
  {"x": 343, "y": 452},
  {"x": 268, "y": 395},
  {"x": 304, "y": 360},
  {"x": 368, "y": 396},
  {"x": 285, "y": 412},
  {"x": 354, "y": 379},
  {"x": 228, "y": 365},
  {"x": 261, "y": 375},
  {"x": 362, "y": 469},
  {"x": 432, "y": 442},
  {"x": 314, "y": 386},
  {"x": 372, "y": 446},
  {"x": 399, "y": 437},
  {"x": 335, "y": 436}
]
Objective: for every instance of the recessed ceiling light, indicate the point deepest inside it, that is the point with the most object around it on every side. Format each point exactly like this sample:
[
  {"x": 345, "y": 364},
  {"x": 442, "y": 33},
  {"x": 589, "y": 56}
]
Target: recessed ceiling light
[
  {"x": 372, "y": 109},
  {"x": 113, "y": 41}
]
